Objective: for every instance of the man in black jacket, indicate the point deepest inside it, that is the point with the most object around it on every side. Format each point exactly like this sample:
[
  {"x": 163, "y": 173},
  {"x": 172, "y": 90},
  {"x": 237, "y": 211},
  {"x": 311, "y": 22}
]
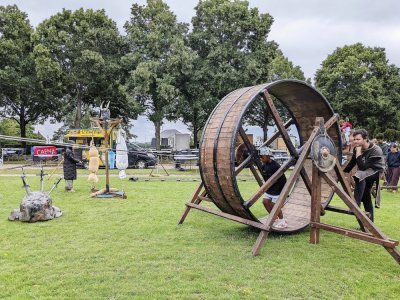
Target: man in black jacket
[
  {"x": 269, "y": 167},
  {"x": 370, "y": 163},
  {"x": 69, "y": 167}
]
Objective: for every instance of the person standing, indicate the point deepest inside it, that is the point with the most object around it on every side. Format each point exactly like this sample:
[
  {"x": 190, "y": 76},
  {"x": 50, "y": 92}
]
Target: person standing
[
  {"x": 269, "y": 167},
  {"x": 379, "y": 141},
  {"x": 69, "y": 168},
  {"x": 370, "y": 163},
  {"x": 385, "y": 150},
  {"x": 393, "y": 170}
]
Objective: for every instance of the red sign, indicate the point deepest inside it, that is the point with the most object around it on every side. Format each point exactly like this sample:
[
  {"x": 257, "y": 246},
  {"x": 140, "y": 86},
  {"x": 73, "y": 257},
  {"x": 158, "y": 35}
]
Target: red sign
[{"x": 44, "y": 151}]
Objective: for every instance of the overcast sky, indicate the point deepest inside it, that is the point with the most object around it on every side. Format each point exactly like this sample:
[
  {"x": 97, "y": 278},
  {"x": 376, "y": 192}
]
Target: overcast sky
[{"x": 307, "y": 31}]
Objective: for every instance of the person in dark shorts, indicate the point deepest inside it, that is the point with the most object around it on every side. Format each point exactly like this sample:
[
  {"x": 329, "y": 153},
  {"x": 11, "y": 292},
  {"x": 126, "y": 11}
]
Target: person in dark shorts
[{"x": 269, "y": 167}]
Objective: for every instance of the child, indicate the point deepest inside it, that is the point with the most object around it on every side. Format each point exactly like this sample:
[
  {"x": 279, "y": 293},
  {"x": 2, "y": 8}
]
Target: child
[
  {"x": 69, "y": 168},
  {"x": 269, "y": 167}
]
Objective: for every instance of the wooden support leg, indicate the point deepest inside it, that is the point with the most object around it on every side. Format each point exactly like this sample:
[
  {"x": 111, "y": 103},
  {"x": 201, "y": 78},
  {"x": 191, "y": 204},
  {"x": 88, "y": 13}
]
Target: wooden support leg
[
  {"x": 368, "y": 224},
  {"x": 193, "y": 200},
  {"x": 315, "y": 204},
  {"x": 260, "y": 241},
  {"x": 347, "y": 189}
]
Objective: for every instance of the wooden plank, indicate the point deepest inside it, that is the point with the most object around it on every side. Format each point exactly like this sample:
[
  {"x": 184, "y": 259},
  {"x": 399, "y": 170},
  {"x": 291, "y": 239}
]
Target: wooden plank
[
  {"x": 243, "y": 165},
  {"x": 368, "y": 224},
  {"x": 315, "y": 205},
  {"x": 202, "y": 198},
  {"x": 259, "y": 242},
  {"x": 252, "y": 150},
  {"x": 297, "y": 207},
  {"x": 355, "y": 234},
  {"x": 342, "y": 210},
  {"x": 226, "y": 216},
  {"x": 279, "y": 124},
  {"x": 294, "y": 213},
  {"x": 276, "y": 134},
  {"x": 193, "y": 199},
  {"x": 256, "y": 175}
]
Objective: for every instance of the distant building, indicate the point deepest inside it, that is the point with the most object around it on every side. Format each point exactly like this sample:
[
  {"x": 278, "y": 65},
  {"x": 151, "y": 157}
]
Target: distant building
[
  {"x": 173, "y": 139},
  {"x": 258, "y": 141}
]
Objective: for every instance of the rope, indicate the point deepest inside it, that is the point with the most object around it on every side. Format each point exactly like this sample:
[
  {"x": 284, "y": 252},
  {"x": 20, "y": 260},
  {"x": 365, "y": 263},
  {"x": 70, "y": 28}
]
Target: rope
[{"x": 48, "y": 142}]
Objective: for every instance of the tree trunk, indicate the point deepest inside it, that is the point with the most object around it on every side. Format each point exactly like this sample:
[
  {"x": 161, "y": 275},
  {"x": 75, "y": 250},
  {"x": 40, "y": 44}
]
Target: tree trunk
[
  {"x": 195, "y": 133},
  {"x": 157, "y": 125},
  {"x": 78, "y": 115},
  {"x": 22, "y": 127},
  {"x": 265, "y": 131}
]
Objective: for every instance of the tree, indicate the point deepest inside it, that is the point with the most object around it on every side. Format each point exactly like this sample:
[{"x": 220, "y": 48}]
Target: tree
[
  {"x": 28, "y": 89},
  {"x": 10, "y": 127},
  {"x": 360, "y": 84},
  {"x": 230, "y": 40},
  {"x": 87, "y": 47},
  {"x": 280, "y": 68},
  {"x": 155, "y": 38}
]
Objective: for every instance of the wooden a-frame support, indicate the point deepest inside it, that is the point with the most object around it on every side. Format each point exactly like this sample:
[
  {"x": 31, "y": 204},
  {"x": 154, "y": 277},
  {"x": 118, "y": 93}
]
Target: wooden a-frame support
[{"x": 370, "y": 233}]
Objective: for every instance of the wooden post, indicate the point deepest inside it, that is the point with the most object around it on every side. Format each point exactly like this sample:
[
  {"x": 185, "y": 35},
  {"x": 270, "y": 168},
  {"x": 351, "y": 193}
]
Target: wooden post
[
  {"x": 106, "y": 131},
  {"x": 315, "y": 204}
]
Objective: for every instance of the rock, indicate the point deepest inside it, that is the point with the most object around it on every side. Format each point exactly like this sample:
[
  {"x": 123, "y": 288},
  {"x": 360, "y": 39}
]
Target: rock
[{"x": 35, "y": 206}]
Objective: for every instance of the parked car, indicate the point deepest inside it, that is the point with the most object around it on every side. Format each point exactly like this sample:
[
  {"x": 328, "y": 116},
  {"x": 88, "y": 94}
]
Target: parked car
[{"x": 139, "y": 157}]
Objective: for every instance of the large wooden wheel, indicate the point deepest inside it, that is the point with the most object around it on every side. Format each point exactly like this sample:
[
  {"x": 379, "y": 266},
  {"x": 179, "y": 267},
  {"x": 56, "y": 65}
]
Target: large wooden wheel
[{"x": 217, "y": 150}]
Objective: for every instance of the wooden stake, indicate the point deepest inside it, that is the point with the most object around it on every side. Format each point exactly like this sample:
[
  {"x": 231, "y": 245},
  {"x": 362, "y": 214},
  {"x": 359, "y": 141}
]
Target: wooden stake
[{"x": 315, "y": 204}]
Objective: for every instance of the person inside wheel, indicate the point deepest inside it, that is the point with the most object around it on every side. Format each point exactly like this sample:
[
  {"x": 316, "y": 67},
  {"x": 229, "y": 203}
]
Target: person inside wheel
[{"x": 269, "y": 167}]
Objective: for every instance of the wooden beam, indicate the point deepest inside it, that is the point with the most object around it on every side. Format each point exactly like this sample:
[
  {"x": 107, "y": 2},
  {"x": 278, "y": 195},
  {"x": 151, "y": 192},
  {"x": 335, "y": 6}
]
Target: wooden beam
[
  {"x": 253, "y": 199},
  {"x": 251, "y": 148},
  {"x": 368, "y": 224},
  {"x": 226, "y": 216},
  {"x": 342, "y": 180},
  {"x": 345, "y": 184},
  {"x": 328, "y": 124},
  {"x": 243, "y": 165},
  {"x": 355, "y": 234},
  {"x": 315, "y": 204},
  {"x": 276, "y": 134},
  {"x": 253, "y": 170},
  {"x": 259, "y": 242},
  {"x": 202, "y": 198},
  {"x": 285, "y": 136},
  {"x": 279, "y": 123},
  {"x": 193, "y": 199}
]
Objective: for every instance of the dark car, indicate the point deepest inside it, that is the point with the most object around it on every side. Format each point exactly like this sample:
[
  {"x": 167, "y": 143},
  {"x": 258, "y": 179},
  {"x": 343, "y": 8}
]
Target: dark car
[{"x": 139, "y": 157}]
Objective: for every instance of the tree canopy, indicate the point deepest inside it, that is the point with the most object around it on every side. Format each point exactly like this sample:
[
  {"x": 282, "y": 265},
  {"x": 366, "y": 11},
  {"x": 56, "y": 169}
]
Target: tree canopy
[
  {"x": 360, "y": 84},
  {"x": 230, "y": 50},
  {"x": 155, "y": 40},
  {"x": 87, "y": 47},
  {"x": 28, "y": 88}
]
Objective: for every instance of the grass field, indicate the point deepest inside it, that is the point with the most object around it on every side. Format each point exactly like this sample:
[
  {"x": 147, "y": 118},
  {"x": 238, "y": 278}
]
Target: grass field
[{"x": 133, "y": 249}]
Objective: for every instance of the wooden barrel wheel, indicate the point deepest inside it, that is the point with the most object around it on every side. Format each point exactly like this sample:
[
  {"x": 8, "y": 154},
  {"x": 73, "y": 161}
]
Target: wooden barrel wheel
[{"x": 220, "y": 135}]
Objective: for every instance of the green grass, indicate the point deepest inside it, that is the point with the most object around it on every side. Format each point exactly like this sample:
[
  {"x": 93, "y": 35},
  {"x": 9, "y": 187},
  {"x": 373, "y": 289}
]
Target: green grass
[{"x": 133, "y": 249}]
